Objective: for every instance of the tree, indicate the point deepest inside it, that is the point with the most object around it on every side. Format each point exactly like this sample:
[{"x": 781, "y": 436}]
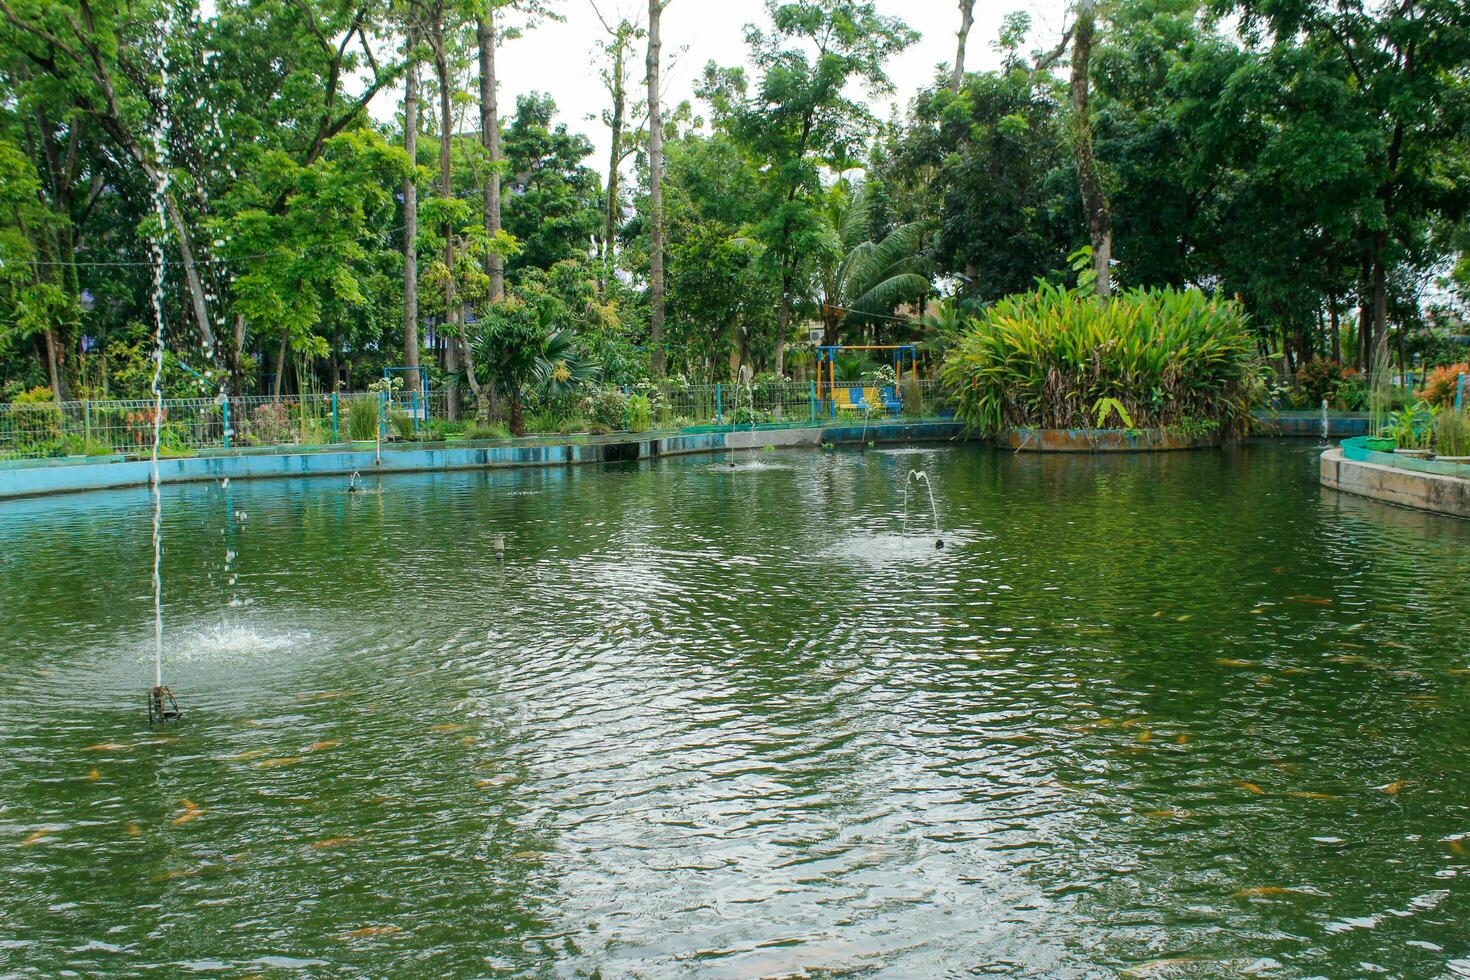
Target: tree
[
  {"x": 620, "y": 36},
  {"x": 33, "y": 304},
  {"x": 655, "y": 190},
  {"x": 519, "y": 343},
  {"x": 443, "y": 25},
  {"x": 489, "y": 36},
  {"x": 291, "y": 262},
  {"x": 1404, "y": 67},
  {"x": 967, "y": 20},
  {"x": 411, "y": 205},
  {"x": 1094, "y": 197},
  {"x": 556, "y": 205},
  {"x": 800, "y": 116},
  {"x": 861, "y": 280},
  {"x": 990, "y": 169},
  {"x": 722, "y": 293}
]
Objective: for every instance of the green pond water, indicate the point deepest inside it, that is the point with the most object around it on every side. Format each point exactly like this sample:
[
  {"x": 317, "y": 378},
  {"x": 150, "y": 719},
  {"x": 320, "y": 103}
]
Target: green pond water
[{"x": 1172, "y": 715}]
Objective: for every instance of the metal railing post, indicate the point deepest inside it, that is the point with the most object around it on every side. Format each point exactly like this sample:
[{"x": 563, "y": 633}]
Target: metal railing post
[
  {"x": 225, "y": 419},
  {"x": 812, "y": 395},
  {"x": 334, "y": 417},
  {"x": 719, "y": 406}
]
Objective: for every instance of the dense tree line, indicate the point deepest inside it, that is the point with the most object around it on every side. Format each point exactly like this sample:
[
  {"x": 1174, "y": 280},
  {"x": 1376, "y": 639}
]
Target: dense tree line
[{"x": 1310, "y": 157}]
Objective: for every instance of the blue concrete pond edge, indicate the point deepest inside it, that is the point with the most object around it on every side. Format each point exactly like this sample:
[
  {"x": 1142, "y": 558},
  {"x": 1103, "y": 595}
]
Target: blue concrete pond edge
[
  {"x": 1356, "y": 449},
  {"x": 1423, "y": 484},
  {"x": 77, "y": 476}
]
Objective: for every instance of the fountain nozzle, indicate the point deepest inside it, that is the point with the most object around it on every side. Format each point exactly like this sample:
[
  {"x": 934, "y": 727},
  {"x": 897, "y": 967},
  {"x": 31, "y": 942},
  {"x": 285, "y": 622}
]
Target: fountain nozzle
[
  {"x": 162, "y": 706},
  {"x": 938, "y": 544}
]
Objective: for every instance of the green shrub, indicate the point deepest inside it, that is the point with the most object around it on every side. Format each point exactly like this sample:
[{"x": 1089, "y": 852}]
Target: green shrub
[
  {"x": 401, "y": 423},
  {"x": 607, "y": 406},
  {"x": 1452, "y": 435},
  {"x": 494, "y": 430},
  {"x": 37, "y": 421},
  {"x": 912, "y": 397},
  {"x": 271, "y": 424},
  {"x": 639, "y": 413},
  {"x": 544, "y": 421},
  {"x": 362, "y": 419},
  {"x": 1318, "y": 379},
  {"x": 1045, "y": 359},
  {"x": 1350, "y": 394}
]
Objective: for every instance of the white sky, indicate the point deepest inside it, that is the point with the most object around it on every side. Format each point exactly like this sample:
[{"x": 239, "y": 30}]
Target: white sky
[{"x": 562, "y": 60}]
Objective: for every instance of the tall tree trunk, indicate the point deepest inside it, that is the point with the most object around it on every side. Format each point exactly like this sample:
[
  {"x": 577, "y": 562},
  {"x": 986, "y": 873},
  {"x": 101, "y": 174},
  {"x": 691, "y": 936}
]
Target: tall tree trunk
[
  {"x": 411, "y": 219},
  {"x": 236, "y": 358},
  {"x": 517, "y": 419},
  {"x": 1094, "y": 199},
  {"x": 967, "y": 20},
  {"x": 1380, "y": 295},
  {"x": 53, "y": 366},
  {"x": 1365, "y": 318},
  {"x": 1335, "y": 327},
  {"x": 614, "y": 156},
  {"x": 783, "y": 321},
  {"x": 280, "y": 366},
  {"x": 490, "y": 139},
  {"x": 657, "y": 360},
  {"x": 452, "y": 339}
]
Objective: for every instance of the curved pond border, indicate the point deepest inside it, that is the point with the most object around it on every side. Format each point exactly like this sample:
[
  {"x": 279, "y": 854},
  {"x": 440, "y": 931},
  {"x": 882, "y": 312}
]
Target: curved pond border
[
  {"x": 1424, "y": 484},
  {"x": 76, "y": 476},
  {"x": 1028, "y": 440}
]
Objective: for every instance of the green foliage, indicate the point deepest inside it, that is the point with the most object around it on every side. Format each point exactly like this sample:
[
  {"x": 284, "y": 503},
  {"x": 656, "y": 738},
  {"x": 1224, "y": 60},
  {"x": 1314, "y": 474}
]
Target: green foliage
[
  {"x": 1319, "y": 379},
  {"x": 862, "y": 281},
  {"x": 1111, "y": 406},
  {"x": 401, "y": 423},
  {"x": 801, "y": 115},
  {"x": 270, "y": 424},
  {"x": 1412, "y": 426},
  {"x": 493, "y": 431},
  {"x": 639, "y": 411},
  {"x": 552, "y": 205},
  {"x": 1452, "y": 435},
  {"x": 915, "y": 405},
  {"x": 1054, "y": 358},
  {"x": 990, "y": 166},
  {"x": 362, "y": 419},
  {"x": 606, "y": 406}
]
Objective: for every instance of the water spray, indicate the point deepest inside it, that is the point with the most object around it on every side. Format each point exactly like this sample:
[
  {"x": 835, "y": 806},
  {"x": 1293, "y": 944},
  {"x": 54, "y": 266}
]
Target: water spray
[
  {"x": 1323, "y": 443},
  {"x": 933, "y": 507},
  {"x": 162, "y": 705}
]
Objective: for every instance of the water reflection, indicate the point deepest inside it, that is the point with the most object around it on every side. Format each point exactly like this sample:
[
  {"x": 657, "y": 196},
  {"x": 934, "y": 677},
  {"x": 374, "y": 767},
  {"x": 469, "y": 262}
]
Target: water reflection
[{"x": 744, "y": 727}]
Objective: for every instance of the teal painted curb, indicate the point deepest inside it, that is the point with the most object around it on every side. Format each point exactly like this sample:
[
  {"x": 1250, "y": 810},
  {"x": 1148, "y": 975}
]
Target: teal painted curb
[
  {"x": 77, "y": 477},
  {"x": 1356, "y": 450}
]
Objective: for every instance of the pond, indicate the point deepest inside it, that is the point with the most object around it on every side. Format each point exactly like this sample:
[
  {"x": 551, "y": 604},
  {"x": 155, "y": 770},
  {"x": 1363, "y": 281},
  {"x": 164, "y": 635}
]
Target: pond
[{"x": 1186, "y": 714}]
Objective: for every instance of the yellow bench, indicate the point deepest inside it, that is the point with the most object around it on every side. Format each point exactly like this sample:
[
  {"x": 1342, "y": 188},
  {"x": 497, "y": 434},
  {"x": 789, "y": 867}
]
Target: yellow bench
[{"x": 842, "y": 399}]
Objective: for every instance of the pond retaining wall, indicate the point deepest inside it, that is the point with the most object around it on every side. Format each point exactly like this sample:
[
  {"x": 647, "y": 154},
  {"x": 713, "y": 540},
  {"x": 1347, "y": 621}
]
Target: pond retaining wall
[
  {"x": 75, "y": 476},
  {"x": 1432, "y": 485}
]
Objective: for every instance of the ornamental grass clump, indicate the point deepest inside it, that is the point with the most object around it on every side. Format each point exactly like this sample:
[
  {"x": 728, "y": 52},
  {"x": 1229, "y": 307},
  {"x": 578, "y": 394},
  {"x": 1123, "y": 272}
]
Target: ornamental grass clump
[{"x": 1047, "y": 359}]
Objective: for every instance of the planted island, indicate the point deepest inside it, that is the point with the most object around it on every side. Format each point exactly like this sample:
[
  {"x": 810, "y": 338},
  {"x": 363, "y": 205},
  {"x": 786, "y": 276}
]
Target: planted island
[{"x": 1058, "y": 368}]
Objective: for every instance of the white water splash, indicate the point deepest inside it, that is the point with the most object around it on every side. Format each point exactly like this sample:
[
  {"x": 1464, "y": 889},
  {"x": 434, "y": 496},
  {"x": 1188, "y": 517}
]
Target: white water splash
[
  {"x": 234, "y": 642},
  {"x": 160, "y": 197},
  {"x": 933, "y": 507}
]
